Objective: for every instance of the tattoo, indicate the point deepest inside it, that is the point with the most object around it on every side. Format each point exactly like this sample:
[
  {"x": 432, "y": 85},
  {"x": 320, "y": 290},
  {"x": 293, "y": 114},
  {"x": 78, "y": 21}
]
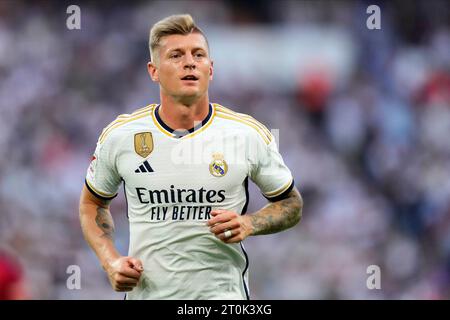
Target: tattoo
[
  {"x": 105, "y": 222},
  {"x": 278, "y": 216}
]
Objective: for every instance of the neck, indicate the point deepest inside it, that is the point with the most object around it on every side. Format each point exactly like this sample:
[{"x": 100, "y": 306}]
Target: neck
[{"x": 182, "y": 115}]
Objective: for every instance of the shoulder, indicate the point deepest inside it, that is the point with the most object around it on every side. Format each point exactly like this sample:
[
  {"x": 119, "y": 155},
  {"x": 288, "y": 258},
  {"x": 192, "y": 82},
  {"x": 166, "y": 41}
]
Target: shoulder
[
  {"x": 250, "y": 124},
  {"x": 124, "y": 121}
]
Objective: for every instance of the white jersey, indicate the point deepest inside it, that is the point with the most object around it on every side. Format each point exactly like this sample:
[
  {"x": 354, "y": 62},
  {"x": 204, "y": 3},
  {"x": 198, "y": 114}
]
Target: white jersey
[{"x": 172, "y": 181}]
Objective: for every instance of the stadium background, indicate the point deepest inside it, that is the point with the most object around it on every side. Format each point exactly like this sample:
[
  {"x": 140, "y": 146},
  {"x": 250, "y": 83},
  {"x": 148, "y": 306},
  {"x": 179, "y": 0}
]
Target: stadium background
[{"x": 363, "y": 118}]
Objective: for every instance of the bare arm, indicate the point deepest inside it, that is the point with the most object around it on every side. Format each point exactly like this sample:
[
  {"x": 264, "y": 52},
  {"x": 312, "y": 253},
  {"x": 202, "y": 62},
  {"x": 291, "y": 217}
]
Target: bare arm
[
  {"x": 98, "y": 230},
  {"x": 98, "y": 226},
  {"x": 274, "y": 217},
  {"x": 278, "y": 216}
]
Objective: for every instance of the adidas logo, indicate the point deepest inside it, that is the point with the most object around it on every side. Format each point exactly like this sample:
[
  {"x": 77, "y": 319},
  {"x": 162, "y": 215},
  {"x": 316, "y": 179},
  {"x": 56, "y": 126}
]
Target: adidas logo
[{"x": 143, "y": 168}]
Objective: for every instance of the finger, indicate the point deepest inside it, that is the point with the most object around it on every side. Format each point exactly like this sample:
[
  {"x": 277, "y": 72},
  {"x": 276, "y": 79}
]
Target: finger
[
  {"x": 124, "y": 288},
  {"x": 216, "y": 212},
  {"x": 212, "y": 221},
  {"x": 219, "y": 228},
  {"x": 122, "y": 280},
  {"x": 216, "y": 218},
  {"x": 234, "y": 239},
  {"x": 220, "y": 218},
  {"x": 136, "y": 264},
  {"x": 130, "y": 272},
  {"x": 222, "y": 236}
]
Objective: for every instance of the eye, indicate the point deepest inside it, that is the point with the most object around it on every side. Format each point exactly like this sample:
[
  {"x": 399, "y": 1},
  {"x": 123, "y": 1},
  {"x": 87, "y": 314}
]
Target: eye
[
  {"x": 199, "y": 55},
  {"x": 175, "y": 55}
]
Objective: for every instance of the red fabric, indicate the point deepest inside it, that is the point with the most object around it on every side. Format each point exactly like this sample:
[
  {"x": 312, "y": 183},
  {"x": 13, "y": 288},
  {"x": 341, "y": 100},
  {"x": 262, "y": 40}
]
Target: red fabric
[
  {"x": 10, "y": 274},
  {"x": 314, "y": 91},
  {"x": 437, "y": 88}
]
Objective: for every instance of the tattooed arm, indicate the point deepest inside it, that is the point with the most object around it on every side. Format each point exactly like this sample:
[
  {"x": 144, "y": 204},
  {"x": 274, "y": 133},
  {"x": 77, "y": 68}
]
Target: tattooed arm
[
  {"x": 274, "y": 217},
  {"x": 98, "y": 230},
  {"x": 97, "y": 226},
  {"x": 278, "y": 216}
]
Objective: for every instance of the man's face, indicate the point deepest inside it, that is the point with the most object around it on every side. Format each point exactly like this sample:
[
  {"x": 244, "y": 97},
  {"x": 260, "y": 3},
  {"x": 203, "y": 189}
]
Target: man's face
[{"x": 183, "y": 67}]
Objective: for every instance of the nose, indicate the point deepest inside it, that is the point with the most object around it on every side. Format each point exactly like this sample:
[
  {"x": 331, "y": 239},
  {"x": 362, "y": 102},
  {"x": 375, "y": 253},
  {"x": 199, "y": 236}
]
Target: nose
[{"x": 189, "y": 62}]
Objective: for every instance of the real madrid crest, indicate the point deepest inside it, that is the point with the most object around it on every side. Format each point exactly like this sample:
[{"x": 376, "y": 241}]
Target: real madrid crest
[
  {"x": 218, "y": 167},
  {"x": 143, "y": 143}
]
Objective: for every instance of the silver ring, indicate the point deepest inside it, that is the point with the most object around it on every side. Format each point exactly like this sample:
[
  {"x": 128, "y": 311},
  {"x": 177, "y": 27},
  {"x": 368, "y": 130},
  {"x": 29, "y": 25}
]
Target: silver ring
[{"x": 227, "y": 234}]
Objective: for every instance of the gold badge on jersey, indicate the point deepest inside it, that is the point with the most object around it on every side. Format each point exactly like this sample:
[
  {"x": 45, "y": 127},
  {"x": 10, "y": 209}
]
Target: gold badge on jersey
[
  {"x": 218, "y": 167},
  {"x": 143, "y": 143}
]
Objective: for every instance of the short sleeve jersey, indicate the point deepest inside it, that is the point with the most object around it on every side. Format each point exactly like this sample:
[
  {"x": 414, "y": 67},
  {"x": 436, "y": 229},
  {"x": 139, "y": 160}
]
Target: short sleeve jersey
[{"x": 172, "y": 180}]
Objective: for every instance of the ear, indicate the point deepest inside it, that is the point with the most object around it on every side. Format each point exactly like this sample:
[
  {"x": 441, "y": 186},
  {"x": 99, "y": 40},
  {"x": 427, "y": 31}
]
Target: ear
[
  {"x": 211, "y": 70},
  {"x": 153, "y": 71}
]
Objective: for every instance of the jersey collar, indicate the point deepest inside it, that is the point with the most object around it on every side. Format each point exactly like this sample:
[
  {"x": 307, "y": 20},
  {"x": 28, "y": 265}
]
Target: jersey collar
[{"x": 182, "y": 133}]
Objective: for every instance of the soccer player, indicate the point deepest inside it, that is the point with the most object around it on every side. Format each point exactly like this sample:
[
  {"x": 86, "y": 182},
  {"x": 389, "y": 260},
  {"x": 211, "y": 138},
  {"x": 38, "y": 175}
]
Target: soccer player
[{"x": 185, "y": 164}]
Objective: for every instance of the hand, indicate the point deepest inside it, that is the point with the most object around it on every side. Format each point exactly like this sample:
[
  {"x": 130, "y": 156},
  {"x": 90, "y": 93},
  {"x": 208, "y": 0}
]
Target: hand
[
  {"x": 124, "y": 273},
  {"x": 228, "y": 223}
]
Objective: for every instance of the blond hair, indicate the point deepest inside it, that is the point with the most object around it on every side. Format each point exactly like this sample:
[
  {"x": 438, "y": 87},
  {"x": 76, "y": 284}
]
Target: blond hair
[{"x": 176, "y": 24}]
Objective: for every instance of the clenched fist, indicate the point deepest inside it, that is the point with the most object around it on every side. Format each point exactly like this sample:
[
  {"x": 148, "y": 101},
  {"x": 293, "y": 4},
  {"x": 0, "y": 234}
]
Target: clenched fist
[{"x": 124, "y": 273}]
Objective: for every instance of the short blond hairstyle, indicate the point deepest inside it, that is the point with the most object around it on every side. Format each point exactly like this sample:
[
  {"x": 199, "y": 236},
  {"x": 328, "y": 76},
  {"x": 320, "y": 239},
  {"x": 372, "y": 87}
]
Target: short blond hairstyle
[{"x": 176, "y": 24}]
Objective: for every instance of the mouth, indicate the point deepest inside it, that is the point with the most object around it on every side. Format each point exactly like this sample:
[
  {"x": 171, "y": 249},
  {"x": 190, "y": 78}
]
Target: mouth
[{"x": 190, "y": 77}]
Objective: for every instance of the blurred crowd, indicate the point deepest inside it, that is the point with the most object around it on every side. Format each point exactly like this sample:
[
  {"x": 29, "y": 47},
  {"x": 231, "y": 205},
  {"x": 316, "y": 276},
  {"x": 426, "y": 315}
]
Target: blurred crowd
[{"x": 363, "y": 124}]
